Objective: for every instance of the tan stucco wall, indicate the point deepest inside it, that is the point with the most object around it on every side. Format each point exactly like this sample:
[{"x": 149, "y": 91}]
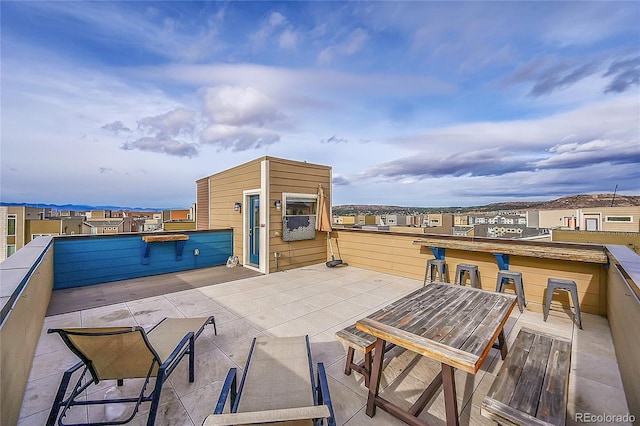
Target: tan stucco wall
[
  {"x": 624, "y": 316},
  {"x": 19, "y": 337}
]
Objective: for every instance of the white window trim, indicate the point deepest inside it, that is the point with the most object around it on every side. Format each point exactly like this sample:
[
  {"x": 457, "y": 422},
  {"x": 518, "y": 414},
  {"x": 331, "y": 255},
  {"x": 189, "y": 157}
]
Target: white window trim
[
  {"x": 286, "y": 195},
  {"x": 606, "y": 219}
]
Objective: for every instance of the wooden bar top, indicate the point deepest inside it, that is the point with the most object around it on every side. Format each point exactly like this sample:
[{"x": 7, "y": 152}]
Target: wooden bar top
[
  {"x": 172, "y": 237},
  {"x": 452, "y": 324},
  {"x": 560, "y": 251}
]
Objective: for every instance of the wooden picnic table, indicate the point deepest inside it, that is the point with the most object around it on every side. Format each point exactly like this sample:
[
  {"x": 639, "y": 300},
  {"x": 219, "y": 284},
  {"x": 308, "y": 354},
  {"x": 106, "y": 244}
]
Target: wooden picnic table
[{"x": 452, "y": 324}]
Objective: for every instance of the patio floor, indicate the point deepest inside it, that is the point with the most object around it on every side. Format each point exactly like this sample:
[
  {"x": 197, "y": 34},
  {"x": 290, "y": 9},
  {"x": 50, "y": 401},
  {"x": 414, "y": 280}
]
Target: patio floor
[{"x": 317, "y": 301}]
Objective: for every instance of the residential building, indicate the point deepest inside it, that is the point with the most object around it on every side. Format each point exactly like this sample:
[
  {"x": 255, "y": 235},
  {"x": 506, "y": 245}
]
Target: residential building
[
  {"x": 108, "y": 225},
  {"x": 615, "y": 219}
]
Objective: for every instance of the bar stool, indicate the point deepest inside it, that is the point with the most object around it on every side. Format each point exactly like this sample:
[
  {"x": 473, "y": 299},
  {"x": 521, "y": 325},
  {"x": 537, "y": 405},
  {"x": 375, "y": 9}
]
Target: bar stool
[
  {"x": 436, "y": 268},
  {"x": 472, "y": 271},
  {"x": 567, "y": 285},
  {"x": 506, "y": 277}
]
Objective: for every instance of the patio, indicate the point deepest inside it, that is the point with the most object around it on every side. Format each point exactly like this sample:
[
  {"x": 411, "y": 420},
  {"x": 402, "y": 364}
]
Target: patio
[{"x": 317, "y": 301}]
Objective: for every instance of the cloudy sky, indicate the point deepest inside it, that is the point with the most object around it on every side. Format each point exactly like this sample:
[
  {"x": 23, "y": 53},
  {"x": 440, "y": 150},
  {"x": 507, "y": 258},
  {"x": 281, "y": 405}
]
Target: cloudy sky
[{"x": 411, "y": 103}]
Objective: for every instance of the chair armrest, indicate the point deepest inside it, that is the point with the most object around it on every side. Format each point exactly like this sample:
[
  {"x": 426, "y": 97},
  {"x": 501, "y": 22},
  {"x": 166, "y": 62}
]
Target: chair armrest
[
  {"x": 282, "y": 415},
  {"x": 229, "y": 387}
]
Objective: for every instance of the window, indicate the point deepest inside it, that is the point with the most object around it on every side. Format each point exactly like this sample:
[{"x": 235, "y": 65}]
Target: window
[
  {"x": 619, "y": 218},
  {"x": 11, "y": 225},
  {"x": 300, "y": 204},
  {"x": 11, "y": 249},
  {"x": 299, "y": 218}
]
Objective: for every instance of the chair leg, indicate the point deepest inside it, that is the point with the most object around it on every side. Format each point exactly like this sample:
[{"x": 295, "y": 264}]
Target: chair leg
[
  {"x": 324, "y": 397},
  {"x": 62, "y": 389},
  {"x": 155, "y": 401},
  {"x": 192, "y": 358}
]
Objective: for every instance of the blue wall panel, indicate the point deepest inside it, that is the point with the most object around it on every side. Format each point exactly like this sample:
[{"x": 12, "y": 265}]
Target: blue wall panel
[{"x": 81, "y": 261}]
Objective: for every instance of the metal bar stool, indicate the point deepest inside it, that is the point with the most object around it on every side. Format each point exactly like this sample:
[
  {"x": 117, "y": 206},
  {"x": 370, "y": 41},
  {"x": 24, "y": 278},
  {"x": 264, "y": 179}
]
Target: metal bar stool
[
  {"x": 567, "y": 285},
  {"x": 436, "y": 270},
  {"x": 472, "y": 271},
  {"x": 506, "y": 277}
]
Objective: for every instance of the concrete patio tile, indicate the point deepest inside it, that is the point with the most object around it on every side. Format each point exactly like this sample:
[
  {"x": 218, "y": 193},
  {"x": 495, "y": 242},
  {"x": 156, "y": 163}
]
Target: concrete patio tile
[
  {"x": 269, "y": 318},
  {"x": 148, "y": 313},
  {"x": 231, "y": 330},
  {"x": 191, "y": 303},
  {"x": 298, "y": 308},
  {"x": 201, "y": 402},
  {"x": 111, "y": 316},
  {"x": 326, "y": 349},
  {"x": 345, "y": 402},
  {"x": 589, "y": 396},
  {"x": 209, "y": 367}
]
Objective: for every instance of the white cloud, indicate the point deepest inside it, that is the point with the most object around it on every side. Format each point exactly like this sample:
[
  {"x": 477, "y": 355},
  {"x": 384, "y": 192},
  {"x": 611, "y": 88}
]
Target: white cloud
[
  {"x": 352, "y": 44},
  {"x": 172, "y": 123},
  {"x": 288, "y": 39},
  {"x": 240, "y": 106}
]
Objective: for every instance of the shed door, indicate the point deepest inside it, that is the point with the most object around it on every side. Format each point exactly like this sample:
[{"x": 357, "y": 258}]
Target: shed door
[{"x": 254, "y": 229}]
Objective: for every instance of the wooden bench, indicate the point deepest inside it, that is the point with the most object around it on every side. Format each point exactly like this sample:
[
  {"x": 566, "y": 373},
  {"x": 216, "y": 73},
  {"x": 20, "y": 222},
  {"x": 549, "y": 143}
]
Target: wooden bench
[
  {"x": 532, "y": 384},
  {"x": 360, "y": 341}
]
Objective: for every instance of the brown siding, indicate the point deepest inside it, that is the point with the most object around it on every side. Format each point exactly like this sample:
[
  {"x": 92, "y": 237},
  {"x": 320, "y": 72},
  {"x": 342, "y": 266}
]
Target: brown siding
[
  {"x": 296, "y": 177},
  {"x": 179, "y": 226},
  {"x": 226, "y": 190},
  {"x": 396, "y": 254},
  {"x": 202, "y": 204}
]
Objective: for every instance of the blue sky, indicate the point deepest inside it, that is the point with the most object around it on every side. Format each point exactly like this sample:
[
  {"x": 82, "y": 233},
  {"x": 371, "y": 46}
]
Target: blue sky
[{"x": 410, "y": 103}]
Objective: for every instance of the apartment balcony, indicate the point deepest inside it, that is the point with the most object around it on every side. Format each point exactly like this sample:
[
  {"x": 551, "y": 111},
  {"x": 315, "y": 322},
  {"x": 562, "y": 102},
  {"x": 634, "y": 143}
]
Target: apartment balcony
[{"x": 318, "y": 301}]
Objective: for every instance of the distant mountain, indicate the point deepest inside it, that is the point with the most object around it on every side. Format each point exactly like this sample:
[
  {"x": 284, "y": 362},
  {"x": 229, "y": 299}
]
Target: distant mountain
[
  {"x": 568, "y": 202},
  {"x": 82, "y": 207}
]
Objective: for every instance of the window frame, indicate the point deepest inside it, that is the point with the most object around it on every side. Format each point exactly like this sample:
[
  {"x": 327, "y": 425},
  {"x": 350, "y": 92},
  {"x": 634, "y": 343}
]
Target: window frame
[{"x": 608, "y": 219}]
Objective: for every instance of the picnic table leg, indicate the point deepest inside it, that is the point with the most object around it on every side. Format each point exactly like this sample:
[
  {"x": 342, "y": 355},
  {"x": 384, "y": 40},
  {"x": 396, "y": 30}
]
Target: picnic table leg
[
  {"x": 450, "y": 401},
  {"x": 503, "y": 344},
  {"x": 376, "y": 375}
]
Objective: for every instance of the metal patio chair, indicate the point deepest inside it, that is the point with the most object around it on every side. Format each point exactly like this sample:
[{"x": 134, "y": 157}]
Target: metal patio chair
[
  {"x": 119, "y": 353},
  {"x": 277, "y": 386}
]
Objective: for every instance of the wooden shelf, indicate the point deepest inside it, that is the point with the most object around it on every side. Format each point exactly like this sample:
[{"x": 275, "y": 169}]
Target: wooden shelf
[
  {"x": 179, "y": 239},
  {"x": 159, "y": 238}
]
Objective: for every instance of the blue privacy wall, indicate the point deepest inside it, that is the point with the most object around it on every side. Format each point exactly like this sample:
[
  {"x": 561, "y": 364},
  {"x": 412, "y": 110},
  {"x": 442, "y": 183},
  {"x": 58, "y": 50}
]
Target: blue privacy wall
[{"x": 87, "y": 260}]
